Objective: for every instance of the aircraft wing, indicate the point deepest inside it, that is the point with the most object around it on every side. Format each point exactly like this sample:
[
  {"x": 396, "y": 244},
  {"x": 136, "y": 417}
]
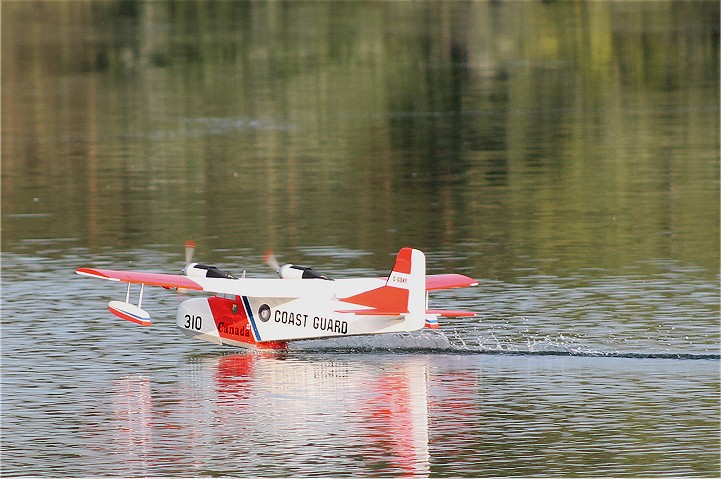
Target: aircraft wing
[
  {"x": 151, "y": 279},
  {"x": 448, "y": 281},
  {"x": 266, "y": 287},
  {"x": 290, "y": 288}
]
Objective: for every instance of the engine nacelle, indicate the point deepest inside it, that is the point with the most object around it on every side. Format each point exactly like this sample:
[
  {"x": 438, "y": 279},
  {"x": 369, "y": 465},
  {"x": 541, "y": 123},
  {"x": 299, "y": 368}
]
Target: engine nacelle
[
  {"x": 291, "y": 271},
  {"x": 204, "y": 271}
]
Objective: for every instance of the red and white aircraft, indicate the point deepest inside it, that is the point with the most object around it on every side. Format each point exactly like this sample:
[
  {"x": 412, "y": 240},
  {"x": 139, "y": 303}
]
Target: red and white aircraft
[{"x": 266, "y": 313}]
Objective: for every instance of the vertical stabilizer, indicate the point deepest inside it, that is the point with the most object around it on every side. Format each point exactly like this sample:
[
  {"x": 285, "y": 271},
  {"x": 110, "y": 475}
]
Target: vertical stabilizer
[
  {"x": 404, "y": 293},
  {"x": 409, "y": 275}
]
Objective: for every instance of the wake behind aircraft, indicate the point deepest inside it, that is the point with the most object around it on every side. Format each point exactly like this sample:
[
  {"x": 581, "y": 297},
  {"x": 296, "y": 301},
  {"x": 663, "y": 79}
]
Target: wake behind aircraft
[{"x": 267, "y": 313}]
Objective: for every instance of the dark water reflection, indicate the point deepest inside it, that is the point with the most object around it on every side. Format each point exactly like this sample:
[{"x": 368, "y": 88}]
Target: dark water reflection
[
  {"x": 489, "y": 126},
  {"x": 566, "y": 154}
]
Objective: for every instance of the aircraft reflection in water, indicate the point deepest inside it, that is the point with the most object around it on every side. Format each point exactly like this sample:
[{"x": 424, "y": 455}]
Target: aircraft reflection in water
[
  {"x": 133, "y": 422},
  {"x": 272, "y": 415}
]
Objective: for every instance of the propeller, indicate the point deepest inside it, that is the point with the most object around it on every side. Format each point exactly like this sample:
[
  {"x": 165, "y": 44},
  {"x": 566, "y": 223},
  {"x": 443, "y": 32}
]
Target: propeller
[
  {"x": 198, "y": 269},
  {"x": 271, "y": 261},
  {"x": 189, "y": 251},
  {"x": 291, "y": 271}
]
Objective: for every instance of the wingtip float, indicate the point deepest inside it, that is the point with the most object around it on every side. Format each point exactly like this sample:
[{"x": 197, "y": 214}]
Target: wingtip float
[{"x": 263, "y": 313}]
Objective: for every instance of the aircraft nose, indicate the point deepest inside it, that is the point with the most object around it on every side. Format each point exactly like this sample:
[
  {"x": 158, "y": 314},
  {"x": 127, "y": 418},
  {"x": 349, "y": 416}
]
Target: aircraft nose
[{"x": 195, "y": 319}]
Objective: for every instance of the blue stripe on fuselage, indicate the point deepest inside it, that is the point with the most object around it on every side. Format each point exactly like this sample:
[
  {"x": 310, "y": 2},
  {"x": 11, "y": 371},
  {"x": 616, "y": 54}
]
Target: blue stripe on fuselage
[{"x": 249, "y": 312}]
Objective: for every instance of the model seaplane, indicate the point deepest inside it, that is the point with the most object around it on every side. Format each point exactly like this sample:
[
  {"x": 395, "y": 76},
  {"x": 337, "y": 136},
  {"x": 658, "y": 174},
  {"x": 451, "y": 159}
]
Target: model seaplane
[{"x": 267, "y": 313}]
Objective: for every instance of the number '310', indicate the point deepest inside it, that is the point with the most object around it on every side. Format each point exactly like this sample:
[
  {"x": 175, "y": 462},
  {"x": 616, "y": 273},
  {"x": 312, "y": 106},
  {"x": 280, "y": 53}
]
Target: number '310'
[{"x": 193, "y": 322}]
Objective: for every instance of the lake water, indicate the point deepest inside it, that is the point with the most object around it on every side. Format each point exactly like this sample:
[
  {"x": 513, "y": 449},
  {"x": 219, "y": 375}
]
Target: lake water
[{"x": 564, "y": 154}]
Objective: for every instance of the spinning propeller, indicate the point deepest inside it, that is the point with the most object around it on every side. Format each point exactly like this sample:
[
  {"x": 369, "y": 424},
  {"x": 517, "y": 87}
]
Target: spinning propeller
[
  {"x": 189, "y": 251},
  {"x": 199, "y": 269},
  {"x": 284, "y": 271},
  {"x": 291, "y": 271},
  {"x": 270, "y": 259}
]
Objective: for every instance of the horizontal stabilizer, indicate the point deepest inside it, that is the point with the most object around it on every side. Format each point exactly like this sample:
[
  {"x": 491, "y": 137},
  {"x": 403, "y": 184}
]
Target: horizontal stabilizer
[
  {"x": 450, "y": 313},
  {"x": 448, "y": 281},
  {"x": 446, "y": 313},
  {"x": 372, "y": 312}
]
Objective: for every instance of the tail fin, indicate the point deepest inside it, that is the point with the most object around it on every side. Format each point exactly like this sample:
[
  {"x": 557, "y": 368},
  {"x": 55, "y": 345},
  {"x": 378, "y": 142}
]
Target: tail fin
[
  {"x": 404, "y": 293},
  {"x": 409, "y": 274}
]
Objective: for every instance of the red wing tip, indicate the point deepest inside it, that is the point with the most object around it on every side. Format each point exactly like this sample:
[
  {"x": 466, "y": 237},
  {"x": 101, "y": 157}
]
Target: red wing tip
[{"x": 91, "y": 272}]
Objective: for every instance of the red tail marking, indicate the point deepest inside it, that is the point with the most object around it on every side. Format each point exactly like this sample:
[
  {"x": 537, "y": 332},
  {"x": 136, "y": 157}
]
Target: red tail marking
[
  {"x": 384, "y": 299},
  {"x": 403, "y": 261},
  {"x": 388, "y": 300}
]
